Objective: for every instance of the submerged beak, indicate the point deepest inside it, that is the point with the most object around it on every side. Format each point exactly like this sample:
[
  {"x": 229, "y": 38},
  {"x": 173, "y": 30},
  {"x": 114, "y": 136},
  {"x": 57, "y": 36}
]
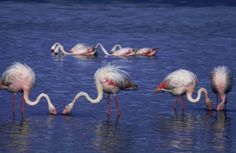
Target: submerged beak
[
  {"x": 65, "y": 112},
  {"x": 53, "y": 111}
]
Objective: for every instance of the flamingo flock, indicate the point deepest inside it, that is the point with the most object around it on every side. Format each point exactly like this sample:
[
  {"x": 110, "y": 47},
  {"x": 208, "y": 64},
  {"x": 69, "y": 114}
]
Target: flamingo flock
[
  {"x": 117, "y": 50},
  {"x": 111, "y": 79}
]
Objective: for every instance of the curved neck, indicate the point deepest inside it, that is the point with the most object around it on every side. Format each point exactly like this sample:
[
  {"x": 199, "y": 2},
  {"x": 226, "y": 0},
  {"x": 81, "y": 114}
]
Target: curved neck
[
  {"x": 35, "y": 102},
  {"x": 116, "y": 47},
  {"x": 103, "y": 49},
  {"x": 195, "y": 100},
  {"x": 61, "y": 48}
]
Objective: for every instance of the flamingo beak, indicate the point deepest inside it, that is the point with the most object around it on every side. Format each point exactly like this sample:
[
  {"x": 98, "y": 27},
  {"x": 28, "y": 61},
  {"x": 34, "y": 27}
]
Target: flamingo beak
[
  {"x": 52, "y": 50},
  {"x": 53, "y": 111},
  {"x": 65, "y": 112},
  {"x": 158, "y": 90}
]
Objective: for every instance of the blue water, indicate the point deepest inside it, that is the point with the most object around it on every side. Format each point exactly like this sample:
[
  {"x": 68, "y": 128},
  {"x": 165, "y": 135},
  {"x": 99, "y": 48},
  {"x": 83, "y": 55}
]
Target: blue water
[{"x": 193, "y": 35}]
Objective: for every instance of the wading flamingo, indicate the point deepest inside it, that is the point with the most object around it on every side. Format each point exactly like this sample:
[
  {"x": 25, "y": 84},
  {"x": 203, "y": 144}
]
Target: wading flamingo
[
  {"x": 109, "y": 79},
  {"x": 117, "y": 52},
  {"x": 20, "y": 78},
  {"x": 221, "y": 84},
  {"x": 78, "y": 49},
  {"x": 181, "y": 82}
]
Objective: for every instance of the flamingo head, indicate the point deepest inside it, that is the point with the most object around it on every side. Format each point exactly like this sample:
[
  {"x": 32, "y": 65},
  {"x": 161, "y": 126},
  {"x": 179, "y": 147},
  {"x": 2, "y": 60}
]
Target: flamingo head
[
  {"x": 162, "y": 87},
  {"x": 54, "y": 46},
  {"x": 92, "y": 51},
  {"x": 52, "y": 110},
  {"x": 67, "y": 109},
  {"x": 208, "y": 103}
]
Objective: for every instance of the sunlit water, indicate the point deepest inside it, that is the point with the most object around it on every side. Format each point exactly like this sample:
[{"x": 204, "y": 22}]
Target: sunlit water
[{"x": 194, "y": 38}]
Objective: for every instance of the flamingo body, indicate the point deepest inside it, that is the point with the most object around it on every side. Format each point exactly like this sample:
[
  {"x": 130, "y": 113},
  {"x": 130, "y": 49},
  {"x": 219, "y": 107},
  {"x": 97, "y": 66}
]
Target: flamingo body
[
  {"x": 79, "y": 49},
  {"x": 124, "y": 52},
  {"x": 221, "y": 83},
  {"x": 183, "y": 82},
  {"x": 110, "y": 79},
  {"x": 146, "y": 52},
  {"x": 21, "y": 78},
  {"x": 117, "y": 50}
]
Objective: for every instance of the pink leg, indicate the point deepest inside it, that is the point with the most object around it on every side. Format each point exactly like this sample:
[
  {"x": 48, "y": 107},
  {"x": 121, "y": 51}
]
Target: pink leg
[
  {"x": 108, "y": 105},
  {"x": 14, "y": 103},
  {"x": 182, "y": 103},
  {"x": 176, "y": 101},
  {"x": 22, "y": 104},
  {"x": 217, "y": 98},
  {"x": 117, "y": 106}
]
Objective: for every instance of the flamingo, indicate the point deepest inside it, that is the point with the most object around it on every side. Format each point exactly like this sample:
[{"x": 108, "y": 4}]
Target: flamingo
[
  {"x": 21, "y": 78},
  {"x": 146, "y": 52},
  {"x": 183, "y": 82},
  {"x": 117, "y": 52},
  {"x": 109, "y": 79},
  {"x": 78, "y": 49},
  {"x": 221, "y": 84}
]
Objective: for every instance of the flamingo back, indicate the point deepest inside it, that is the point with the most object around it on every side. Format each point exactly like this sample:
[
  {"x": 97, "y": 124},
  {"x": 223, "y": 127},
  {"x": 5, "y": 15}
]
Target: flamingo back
[
  {"x": 181, "y": 79},
  {"x": 113, "y": 78},
  {"x": 221, "y": 79},
  {"x": 18, "y": 77},
  {"x": 82, "y": 49},
  {"x": 124, "y": 52}
]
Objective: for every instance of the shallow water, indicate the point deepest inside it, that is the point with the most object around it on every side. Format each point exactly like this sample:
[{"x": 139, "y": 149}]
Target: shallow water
[{"x": 195, "y": 37}]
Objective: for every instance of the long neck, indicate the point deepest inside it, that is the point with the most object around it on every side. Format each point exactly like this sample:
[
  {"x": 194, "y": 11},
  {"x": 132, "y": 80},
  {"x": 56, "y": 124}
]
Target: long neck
[
  {"x": 195, "y": 100},
  {"x": 103, "y": 49},
  {"x": 91, "y": 100},
  {"x": 115, "y": 47},
  {"x": 35, "y": 102},
  {"x": 61, "y": 48}
]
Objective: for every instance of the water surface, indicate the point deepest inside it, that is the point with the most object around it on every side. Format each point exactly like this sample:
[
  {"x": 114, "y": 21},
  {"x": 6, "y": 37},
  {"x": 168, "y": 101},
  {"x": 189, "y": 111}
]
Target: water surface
[{"x": 195, "y": 37}]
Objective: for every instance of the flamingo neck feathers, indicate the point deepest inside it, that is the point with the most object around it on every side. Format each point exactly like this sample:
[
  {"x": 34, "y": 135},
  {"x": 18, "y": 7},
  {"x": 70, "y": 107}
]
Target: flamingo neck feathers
[
  {"x": 103, "y": 49},
  {"x": 35, "y": 102}
]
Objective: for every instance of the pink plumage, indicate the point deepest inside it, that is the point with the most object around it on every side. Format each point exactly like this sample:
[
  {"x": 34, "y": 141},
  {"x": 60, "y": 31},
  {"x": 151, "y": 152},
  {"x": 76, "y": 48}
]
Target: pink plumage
[
  {"x": 221, "y": 83},
  {"x": 183, "y": 82},
  {"x": 110, "y": 79}
]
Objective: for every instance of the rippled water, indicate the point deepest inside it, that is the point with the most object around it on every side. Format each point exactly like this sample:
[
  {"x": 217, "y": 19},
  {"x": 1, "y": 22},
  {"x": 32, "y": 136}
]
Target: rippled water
[{"x": 190, "y": 37}]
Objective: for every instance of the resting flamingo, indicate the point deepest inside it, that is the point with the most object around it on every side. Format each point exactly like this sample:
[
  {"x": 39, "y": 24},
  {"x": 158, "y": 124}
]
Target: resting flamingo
[
  {"x": 117, "y": 52},
  {"x": 109, "y": 79},
  {"x": 181, "y": 82},
  {"x": 21, "y": 78},
  {"x": 146, "y": 52},
  {"x": 221, "y": 84},
  {"x": 78, "y": 49}
]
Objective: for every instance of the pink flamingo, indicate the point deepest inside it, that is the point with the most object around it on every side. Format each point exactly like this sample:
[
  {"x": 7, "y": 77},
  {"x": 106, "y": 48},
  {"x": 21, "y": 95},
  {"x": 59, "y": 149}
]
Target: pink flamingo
[
  {"x": 117, "y": 50},
  {"x": 20, "y": 78},
  {"x": 221, "y": 84},
  {"x": 109, "y": 79},
  {"x": 181, "y": 82},
  {"x": 78, "y": 49},
  {"x": 146, "y": 52}
]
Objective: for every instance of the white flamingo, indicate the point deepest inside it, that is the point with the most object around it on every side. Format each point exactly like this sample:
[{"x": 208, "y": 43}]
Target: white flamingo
[
  {"x": 117, "y": 50},
  {"x": 21, "y": 78},
  {"x": 109, "y": 79},
  {"x": 181, "y": 82},
  {"x": 221, "y": 83},
  {"x": 78, "y": 49}
]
